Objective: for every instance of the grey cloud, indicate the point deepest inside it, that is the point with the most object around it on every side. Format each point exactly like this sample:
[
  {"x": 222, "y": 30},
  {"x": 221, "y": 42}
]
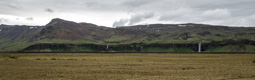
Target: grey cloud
[
  {"x": 236, "y": 7},
  {"x": 188, "y": 15},
  {"x": 202, "y": 11},
  {"x": 120, "y": 23},
  {"x": 30, "y": 19},
  {"x": 49, "y": 10},
  {"x": 90, "y": 4},
  {"x": 179, "y": 15},
  {"x": 140, "y": 17},
  {"x": 250, "y": 21},
  {"x": 216, "y": 14},
  {"x": 134, "y": 19},
  {"x": 2, "y": 20},
  {"x": 12, "y": 6},
  {"x": 136, "y": 3}
]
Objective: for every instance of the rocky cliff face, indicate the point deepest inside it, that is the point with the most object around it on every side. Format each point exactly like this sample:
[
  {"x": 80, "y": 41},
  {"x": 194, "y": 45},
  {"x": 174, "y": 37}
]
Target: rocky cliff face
[{"x": 215, "y": 46}]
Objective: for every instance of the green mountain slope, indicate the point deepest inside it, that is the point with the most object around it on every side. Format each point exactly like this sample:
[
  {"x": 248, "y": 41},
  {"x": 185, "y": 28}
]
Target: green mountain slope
[
  {"x": 58, "y": 31},
  {"x": 15, "y": 37}
]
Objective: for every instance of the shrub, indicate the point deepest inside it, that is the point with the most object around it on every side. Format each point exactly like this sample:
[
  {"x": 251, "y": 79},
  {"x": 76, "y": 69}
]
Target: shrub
[
  {"x": 187, "y": 68},
  {"x": 38, "y": 59},
  {"x": 69, "y": 59},
  {"x": 140, "y": 60},
  {"x": 72, "y": 59},
  {"x": 53, "y": 59},
  {"x": 13, "y": 57},
  {"x": 253, "y": 61}
]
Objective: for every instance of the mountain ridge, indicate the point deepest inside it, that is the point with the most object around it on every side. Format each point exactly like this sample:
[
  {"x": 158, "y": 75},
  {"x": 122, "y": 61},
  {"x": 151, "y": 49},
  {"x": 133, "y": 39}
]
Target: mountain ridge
[{"x": 68, "y": 32}]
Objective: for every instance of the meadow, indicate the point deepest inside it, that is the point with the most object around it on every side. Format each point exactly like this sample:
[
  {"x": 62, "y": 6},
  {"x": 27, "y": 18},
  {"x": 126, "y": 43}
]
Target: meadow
[{"x": 126, "y": 66}]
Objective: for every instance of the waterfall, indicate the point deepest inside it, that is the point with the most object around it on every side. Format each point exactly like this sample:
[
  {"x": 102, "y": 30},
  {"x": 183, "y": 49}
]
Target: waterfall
[{"x": 199, "y": 47}]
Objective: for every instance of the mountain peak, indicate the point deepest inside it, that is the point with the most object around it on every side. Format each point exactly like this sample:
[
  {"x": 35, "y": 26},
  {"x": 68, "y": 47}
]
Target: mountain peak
[{"x": 57, "y": 21}]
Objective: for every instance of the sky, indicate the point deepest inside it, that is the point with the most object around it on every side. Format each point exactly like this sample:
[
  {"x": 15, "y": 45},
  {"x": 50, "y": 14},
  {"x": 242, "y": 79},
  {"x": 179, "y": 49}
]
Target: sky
[{"x": 112, "y": 13}]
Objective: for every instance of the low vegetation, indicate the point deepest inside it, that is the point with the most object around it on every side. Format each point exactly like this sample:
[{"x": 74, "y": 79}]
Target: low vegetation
[
  {"x": 53, "y": 59},
  {"x": 127, "y": 66},
  {"x": 71, "y": 59},
  {"x": 13, "y": 57}
]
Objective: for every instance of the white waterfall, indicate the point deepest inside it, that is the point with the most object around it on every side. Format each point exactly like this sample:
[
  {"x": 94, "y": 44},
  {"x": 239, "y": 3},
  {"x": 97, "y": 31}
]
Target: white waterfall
[{"x": 199, "y": 47}]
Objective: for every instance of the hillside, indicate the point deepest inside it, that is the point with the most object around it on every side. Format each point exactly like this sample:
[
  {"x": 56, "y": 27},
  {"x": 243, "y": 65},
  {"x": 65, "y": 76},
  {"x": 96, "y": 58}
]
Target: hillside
[
  {"x": 62, "y": 32},
  {"x": 14, "y": 37}
]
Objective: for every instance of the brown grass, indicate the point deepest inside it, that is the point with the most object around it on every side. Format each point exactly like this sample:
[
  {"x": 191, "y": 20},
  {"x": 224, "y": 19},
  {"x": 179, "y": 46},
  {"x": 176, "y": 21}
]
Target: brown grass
[{"x": 51, "y": 66}]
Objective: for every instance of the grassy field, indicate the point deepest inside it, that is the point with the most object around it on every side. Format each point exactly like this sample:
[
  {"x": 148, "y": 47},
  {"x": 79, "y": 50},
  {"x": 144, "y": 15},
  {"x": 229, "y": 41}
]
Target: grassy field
[{"x": 124, "y": 66}]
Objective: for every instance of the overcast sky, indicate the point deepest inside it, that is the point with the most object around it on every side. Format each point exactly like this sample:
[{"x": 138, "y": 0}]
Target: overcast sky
[{"x": 129, "y": 12}]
